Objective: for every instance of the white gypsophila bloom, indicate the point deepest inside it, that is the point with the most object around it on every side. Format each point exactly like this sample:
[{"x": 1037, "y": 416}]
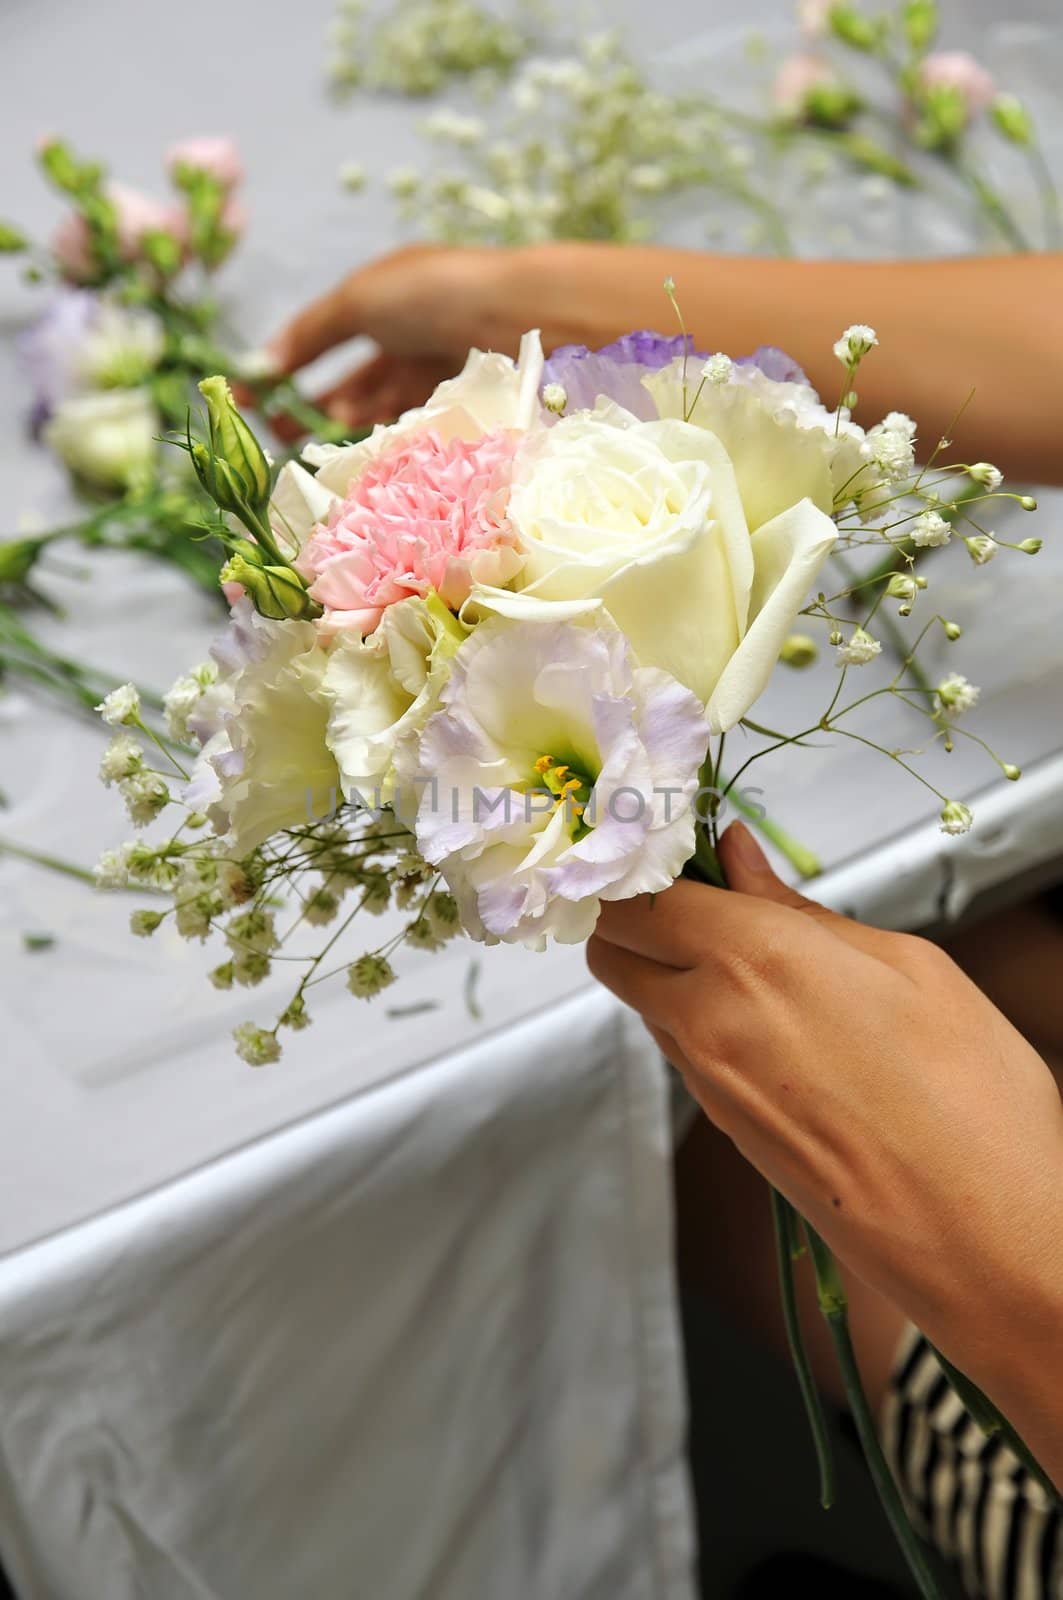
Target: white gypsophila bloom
[
  {"x": 891, "y": 450},
  {"x": 368, "y": 975},
  {"x": 981, "y": 548},
  {"x": 858, "y": 649},
  {"x": 112, "y": 869},
  {"x": 253, "y": 930},
  {"x": 454, "y": 127},
  {"x": 718, "y": 368},
  {"x": 554, "y": 398},
  {"x": 193, "y": 913},
  {"x": 562, "y": 775},
  {"x": 930, "y": 530},
  {"x": 321, "y": 907},
  {"x": 144, "y": 923},
  {"x": 121, "y": 347},
  {"x": 987, "y": 475},
  {"x": 648, "y": 179},
  {"x": 956, "y": 817},
  {"x": 179, "y": 701},
  {"x": 255, "y": 1045},
  {"x": 899, "y": 422},
  {"x": 855, "y": 343},
  {"x": 121, "y": 707},
  {"x": 145, "y": 795},
  {"x": 955, "y": 695},
  {"x": 121, "y": 759}
]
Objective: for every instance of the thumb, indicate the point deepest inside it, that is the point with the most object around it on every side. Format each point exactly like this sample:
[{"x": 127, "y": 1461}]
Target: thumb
[{"x": 750, "y": 872}]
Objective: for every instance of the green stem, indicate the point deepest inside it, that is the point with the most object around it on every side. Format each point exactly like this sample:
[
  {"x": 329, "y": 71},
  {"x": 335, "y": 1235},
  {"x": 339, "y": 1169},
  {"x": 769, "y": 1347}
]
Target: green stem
[
  {"x": 1046, "y": 185},
  {"x": 835, "y": 1308},
  {"x": 54, "y": 863},
  {"x": 891, "y": 629},
  {"x": 994, "y": 208},
  {"x": 991, "y": 1422},
  {"x": 787, "y": 1251},
  {"x": 800, "y": 857}
]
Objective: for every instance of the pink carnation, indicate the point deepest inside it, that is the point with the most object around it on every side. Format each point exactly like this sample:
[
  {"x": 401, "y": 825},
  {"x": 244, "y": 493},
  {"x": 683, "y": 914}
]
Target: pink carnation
[
  {"x": 136, "y": 214},
  {"x": 217, "y": 156},
  {"x": 424, "y": 515},
  {"x": 955, "y": 69}
]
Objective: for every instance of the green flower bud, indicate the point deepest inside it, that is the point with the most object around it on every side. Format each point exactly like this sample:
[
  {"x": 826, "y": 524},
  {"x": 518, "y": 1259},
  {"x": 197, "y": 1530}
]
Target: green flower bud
[
  {"x": 247, "y": 481},
  {"x": 1030, "y": 547},
  {"x": 17, "y": 558},
  {"x": 1011, "y": 118},
  {"x": 901, "y": 587},
  {"x": 1027, "y": 502},
  {"x": 161, "y": 251},
  {"x": 920, "y": 20},
  {"x": 853, "y": 28},
  {"x": 1011, "y": 772},
  {"x": 12, "y": 241},
  {"x": 276, "y": 592},
  {"x": 831, "y": 105},
  {"x": 952, "y": 630},
  {"x": 67, "y": 173},
  {"x": 798, "y": 650}
]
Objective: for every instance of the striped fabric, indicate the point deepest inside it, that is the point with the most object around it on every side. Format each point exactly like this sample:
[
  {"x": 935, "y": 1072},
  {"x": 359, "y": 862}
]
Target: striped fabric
[{"x": 967, "y": 1493}]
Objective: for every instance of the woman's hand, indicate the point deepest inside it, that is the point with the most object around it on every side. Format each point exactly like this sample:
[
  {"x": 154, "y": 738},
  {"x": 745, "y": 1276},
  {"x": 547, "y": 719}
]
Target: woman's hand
[
  {"x": 425, "y": 306},
  {"x": 879, "y": 1090}
]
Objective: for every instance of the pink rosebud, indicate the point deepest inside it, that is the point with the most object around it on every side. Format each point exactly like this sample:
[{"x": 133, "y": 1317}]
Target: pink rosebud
[
  {"x": 233, "y": 591},
  {"x": 217, "y": 156},
  {"x": 797, "y": 78},
  {"x": 135, "y": 213},
  {"x": 955, "y": 69}
]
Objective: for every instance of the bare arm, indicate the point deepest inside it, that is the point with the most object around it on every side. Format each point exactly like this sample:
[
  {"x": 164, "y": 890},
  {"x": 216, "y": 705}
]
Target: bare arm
[{"x": 992, "y": 324}]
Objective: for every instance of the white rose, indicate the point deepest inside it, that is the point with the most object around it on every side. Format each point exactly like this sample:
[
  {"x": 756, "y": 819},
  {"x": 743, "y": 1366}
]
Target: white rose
[
  {"x": 645, "y": 519},
  {"x": 784, "y": 444},
  {"x": 382, "y": 689},
  {"x": 107, "y": 438}
]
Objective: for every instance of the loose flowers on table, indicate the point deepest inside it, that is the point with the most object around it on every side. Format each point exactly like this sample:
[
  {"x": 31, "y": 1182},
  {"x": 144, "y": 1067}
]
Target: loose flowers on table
[{"x": 481, "y": 666}]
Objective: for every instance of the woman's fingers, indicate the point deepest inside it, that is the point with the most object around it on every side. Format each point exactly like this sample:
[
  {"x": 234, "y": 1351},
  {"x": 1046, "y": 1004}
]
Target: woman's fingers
[
  {"x": 640, "y": 983},
  {"x": 327, "y": 321}
]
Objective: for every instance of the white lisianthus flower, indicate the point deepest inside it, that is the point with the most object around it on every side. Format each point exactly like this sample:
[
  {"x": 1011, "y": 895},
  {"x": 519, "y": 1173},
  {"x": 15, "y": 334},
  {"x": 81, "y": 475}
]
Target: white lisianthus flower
[
  {"x": 121, "y": 347},
  {"x": 106, "y": 438},
  {"x": 381, "y": 690},
  {"x": 645, "y": 521},
  {"x": 562, "y": 775},
  {"x": 784, "y": 444},
  {"x": 265, "y": 764}
]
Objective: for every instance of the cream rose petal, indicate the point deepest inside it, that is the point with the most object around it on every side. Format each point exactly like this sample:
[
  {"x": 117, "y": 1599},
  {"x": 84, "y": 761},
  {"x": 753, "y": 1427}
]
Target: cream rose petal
[{"x": 788, "y": 553}]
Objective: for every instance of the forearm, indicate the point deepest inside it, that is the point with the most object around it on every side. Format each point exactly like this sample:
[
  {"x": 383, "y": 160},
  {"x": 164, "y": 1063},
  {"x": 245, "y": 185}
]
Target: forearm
[
  {"x": 1003, "y": 1326},
  {"x": 947, "y": 327}
]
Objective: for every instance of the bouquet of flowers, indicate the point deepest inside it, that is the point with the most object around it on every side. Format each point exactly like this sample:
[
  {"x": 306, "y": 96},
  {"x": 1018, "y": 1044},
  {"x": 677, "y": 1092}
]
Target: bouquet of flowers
[{"x": 481, "y": 666}]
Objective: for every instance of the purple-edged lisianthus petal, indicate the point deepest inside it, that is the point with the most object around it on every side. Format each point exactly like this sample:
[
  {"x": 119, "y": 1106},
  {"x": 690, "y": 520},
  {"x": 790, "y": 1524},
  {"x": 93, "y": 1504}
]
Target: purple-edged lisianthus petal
[
  {"x": 774, "y": 363},
  {"x": 617, "y": 369}
]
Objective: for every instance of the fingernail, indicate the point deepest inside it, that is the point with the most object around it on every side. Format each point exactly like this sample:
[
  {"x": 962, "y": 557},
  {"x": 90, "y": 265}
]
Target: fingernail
[{"x": 745, "y": 848}]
